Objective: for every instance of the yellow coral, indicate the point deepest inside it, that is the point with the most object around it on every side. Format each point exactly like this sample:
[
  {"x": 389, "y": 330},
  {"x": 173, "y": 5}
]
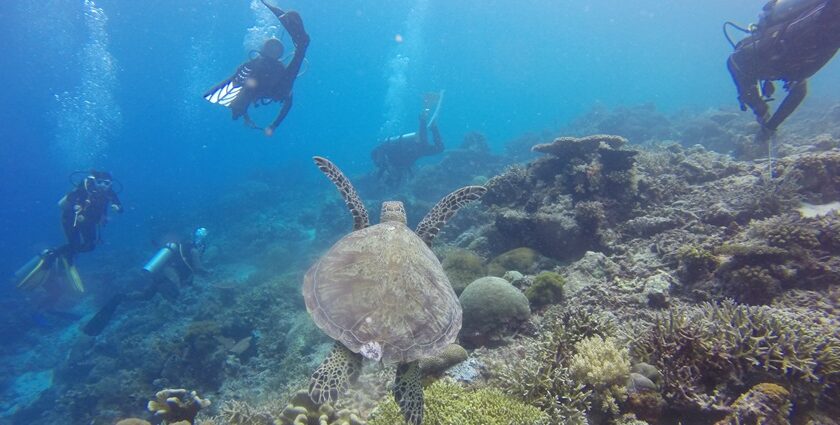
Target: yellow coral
[
  {"x": 448, "y": 403},
  {"x": 604, "y": 366}
]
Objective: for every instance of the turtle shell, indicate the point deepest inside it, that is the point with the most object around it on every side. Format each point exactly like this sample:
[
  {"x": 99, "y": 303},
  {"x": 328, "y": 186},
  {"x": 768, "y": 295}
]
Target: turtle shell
[{"x": 382, "y": 286}]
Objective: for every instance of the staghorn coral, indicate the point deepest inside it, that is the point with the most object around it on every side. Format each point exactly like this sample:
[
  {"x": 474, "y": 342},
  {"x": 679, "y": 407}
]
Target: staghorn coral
[
  {"x": 176, "y": 405},
  {"x": 706, "y": 352},
  {"x": 603, "y": 366},
  {"x": 547, "y": 288},
  {"x": 451, "y": 355},
  {"x": 766, "y": 404},
  {"x": 449, "y": 403}
]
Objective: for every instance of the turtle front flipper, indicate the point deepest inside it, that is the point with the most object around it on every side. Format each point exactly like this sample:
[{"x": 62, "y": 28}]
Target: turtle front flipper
[
  {"x": 351, "y": 198},
  {"x": 431, "y": 224},
  {"x": 334, "y": 375},
  {"x": 408, "y": 392}
]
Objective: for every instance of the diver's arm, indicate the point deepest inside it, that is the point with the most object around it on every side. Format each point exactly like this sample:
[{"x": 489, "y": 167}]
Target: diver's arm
[
  {"x": 115, "y": 202},
  {"x": 796, "y": 94},
  {"x": 287, "y": 105},
  {"x": 748, "y": 94}
]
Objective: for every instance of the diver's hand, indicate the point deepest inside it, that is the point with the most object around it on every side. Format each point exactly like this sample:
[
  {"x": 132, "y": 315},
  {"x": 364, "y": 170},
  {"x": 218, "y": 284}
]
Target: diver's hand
[
  {"x": 116, "y": 208},
  {"x": 268, "y": 132},
  {"x": 764, "y": 134}
]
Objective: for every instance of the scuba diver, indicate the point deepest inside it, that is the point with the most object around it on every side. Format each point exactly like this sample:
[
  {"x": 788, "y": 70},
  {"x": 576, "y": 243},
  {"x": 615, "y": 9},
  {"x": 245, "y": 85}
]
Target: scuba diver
[
  {"x": 265, "y": 79},
  {"x": 171, "y": 268},
  {"x": 395, "y": 156},
  {"x": 792, "y": 41},
  {"x": 83, "y": 210}
]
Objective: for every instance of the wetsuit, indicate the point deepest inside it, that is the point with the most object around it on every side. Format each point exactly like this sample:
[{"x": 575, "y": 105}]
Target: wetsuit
[
  {"x": 265, "y": 80},
  {"x": 82, "y": 212},
  {"x": 394, "y": 158},
  {"x": 791, "y": 51}
]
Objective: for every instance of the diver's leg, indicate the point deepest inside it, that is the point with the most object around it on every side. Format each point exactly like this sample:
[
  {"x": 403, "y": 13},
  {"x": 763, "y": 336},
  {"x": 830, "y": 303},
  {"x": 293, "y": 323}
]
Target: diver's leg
[
  {"x": 796, "y": 94},
  {"x": 436, "y": 139},
  {"x": 422, "y": 131},
  {"x": 88, "y": 237}
]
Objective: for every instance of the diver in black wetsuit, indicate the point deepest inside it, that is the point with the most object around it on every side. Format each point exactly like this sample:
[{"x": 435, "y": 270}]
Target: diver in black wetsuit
[
  {"x": 83, "y": 210},
  {"x": 265, "y": 79},
  {"x": 394, "y": 157},
  {"x": 793, "y": 40},
  {"x": 170, "y": 269}
]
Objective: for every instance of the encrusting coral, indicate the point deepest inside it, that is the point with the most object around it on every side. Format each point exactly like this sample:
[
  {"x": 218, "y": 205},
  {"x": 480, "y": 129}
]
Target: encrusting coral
[
  {"x": 521, "y": 259},
  {"x": 448, "y": 403},
  {"x": 176, "y": 405},
  {"x": 766, "y": 404},
  {"x": 706, "y": 352}
]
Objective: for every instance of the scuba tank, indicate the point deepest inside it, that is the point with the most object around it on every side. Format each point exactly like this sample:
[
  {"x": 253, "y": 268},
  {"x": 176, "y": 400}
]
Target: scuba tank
[
  {"x": 161, "y": 258},
  {"x": 776, "y": 11}
]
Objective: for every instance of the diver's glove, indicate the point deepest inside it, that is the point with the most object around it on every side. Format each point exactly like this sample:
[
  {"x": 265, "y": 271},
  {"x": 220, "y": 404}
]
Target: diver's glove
[{"x": 117, "y": 208}]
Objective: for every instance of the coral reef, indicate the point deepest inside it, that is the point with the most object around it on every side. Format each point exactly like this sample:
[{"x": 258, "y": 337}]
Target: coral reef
[
  {"x": 449, "y": 403},
  {"x": 492, "y": 309},
  {"x": 177, "y": 405}
]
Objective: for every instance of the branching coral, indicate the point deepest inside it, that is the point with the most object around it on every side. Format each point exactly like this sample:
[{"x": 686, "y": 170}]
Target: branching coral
[
  {"x": 449, "y": 403},
  {"x": 540, "y": 375},
  {"x": 604, "y": 366},
  {"x": 706, "y": 352}
]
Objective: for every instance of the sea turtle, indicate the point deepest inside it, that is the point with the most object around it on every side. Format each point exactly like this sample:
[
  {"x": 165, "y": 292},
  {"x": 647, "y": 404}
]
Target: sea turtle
[{"x": 381, "y": 293}]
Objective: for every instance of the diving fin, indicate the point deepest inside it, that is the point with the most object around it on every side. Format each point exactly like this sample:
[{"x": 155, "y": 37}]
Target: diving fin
[
  {"x": 97, "y": 323},
  {"x": 73, "y": 275},
  {"x": 35, "y": 272},
  {"x": 224, "y": 93}
]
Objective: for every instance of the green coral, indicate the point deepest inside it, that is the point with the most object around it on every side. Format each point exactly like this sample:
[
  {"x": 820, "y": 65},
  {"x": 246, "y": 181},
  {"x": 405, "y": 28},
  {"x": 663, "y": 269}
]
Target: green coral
[
  {"x": 604, "y": 366},
  {"x": 704, "y": 351},
  {"x": 447, "y": 403},
  {"x": 462, "y": 267},
  {"x": 546, "y": 289},
  {"x": 523, "y": 260}
]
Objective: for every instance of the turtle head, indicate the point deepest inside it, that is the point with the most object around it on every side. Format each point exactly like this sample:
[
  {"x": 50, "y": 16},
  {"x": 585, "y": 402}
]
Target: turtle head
[{"x": 393, "y": 211}]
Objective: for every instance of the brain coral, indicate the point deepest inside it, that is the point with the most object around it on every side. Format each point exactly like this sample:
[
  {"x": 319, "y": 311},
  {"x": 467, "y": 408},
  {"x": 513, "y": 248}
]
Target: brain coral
[{"x": 491, "y": 307}]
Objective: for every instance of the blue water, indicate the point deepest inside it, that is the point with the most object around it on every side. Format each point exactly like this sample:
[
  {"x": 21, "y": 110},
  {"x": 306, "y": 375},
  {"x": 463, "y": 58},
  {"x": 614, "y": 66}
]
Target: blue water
[{"x": 507, "y": 67}]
